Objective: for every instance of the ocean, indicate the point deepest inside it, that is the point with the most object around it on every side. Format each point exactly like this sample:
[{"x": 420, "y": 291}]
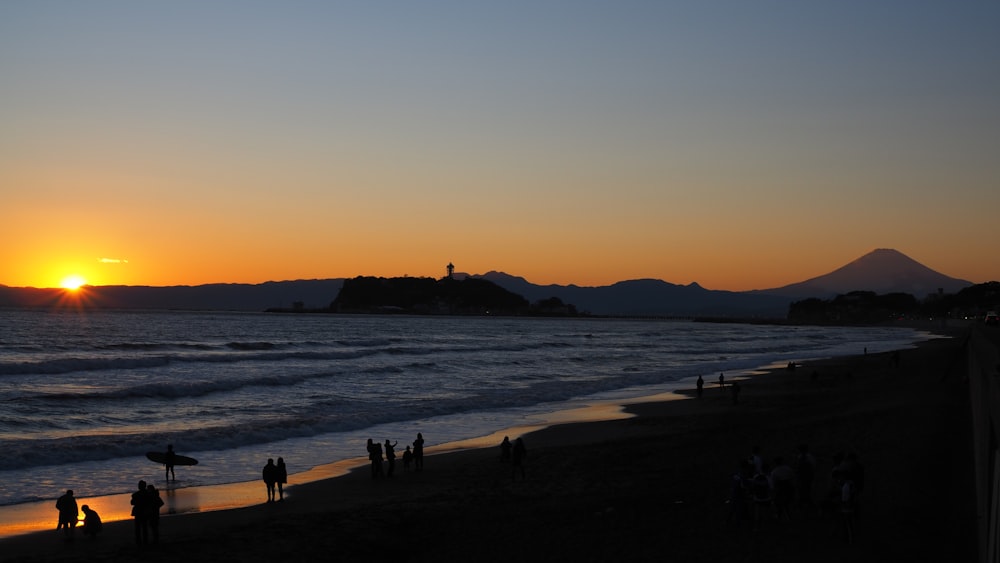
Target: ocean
[{"x": 85, "y": 394}]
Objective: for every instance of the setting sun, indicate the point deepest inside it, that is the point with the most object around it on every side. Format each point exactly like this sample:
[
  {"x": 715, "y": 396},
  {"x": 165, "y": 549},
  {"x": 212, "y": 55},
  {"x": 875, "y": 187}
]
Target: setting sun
[{"x": 72, "y": 282}]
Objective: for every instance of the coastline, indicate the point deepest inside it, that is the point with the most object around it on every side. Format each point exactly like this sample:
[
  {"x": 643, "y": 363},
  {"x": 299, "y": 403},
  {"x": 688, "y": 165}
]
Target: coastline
[{"x": 624, "y": 481}]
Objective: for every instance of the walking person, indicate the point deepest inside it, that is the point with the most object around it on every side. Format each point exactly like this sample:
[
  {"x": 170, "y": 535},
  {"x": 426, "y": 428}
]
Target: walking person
[
  {"x": 282, "y": 476},
  {"x": 701, "y": 386},
  {"x": 270, "y": 476},
  {"x": 68, "y": 514}
]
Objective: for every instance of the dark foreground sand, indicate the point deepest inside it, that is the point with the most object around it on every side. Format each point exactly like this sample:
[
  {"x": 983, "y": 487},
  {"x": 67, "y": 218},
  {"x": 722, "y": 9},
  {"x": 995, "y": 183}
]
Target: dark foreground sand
[{"x": 649, "y": 488}]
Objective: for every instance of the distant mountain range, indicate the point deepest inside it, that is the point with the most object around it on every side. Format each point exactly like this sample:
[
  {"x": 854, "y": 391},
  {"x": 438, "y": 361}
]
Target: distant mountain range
[{"x": 881, "y": 271}]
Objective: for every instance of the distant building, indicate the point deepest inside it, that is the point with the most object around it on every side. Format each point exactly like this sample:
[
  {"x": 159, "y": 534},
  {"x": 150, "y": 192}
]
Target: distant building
[{"x": 451, "y": 270}]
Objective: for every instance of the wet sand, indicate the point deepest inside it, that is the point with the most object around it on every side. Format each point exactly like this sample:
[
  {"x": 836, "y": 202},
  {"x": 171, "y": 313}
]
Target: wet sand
[{"x": 653, "y": 487}]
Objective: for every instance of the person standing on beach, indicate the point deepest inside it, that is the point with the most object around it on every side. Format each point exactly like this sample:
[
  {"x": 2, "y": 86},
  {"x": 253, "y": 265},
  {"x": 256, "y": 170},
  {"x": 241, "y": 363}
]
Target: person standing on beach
[
  {"x": 722, "y": 381},
  {"x": 155, "y": 502},
  {"x": 390, "y": 456},
  {"x": 168, "y": 462},
  {"x": 140, "y": 514},
  {"x": 517, "y": 459},
  {"x": 68, "y": 513},
  {"x": 505, "y": 447},
  {"x": 270, "y": 476},
  {"x": 701, "y": 386},
  {"x": 407, "y": 458},
  {"x": 418, "y": 452},
  {"x": 282, "y": 477}
]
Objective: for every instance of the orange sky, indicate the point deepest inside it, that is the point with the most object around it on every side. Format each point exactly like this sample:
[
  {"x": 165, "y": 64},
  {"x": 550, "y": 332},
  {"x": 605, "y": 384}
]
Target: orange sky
[{"x": 582, "y": 143}]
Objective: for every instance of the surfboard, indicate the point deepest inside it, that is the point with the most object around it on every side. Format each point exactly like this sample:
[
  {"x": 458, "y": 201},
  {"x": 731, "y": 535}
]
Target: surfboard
[{"x": 161, "y": 457}]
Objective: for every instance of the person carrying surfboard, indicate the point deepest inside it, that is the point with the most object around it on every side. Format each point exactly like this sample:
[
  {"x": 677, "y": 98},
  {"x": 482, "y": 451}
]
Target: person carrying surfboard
[{"x": 168, "y": 462}]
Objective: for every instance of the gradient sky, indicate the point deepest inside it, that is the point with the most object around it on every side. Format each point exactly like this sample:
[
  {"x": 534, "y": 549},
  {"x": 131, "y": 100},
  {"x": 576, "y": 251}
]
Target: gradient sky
[{"x": 740, "y": 145}]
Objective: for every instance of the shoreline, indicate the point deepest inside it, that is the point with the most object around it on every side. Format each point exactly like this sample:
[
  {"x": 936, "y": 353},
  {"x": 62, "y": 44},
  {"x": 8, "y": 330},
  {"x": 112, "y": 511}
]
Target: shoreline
[{"x": 563, "y": 473}]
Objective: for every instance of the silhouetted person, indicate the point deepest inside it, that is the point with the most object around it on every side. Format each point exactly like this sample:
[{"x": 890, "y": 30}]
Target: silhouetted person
[
  {"x": 168, "y": 462},
  {"x": 844, "y": 495},
  {"x": 755, "y": 460},
  {"x": 783, "y": 483},
  {"x": 517, "y": 456},
  {"x": 761, "y": 493},
  {"x": 140, "y": 513},
  {"x": 738, "y": 486},
  {"x": 390, "y": 457},
  {"x": 270, "y": 476},
  {"x": 407, "y": 458},
  {"x": 155, "y": 502},
  {"x": 418, "y": 452},
  {"x": 91, "y": 522},
  {"x": 701, "y": 386},
  {"x": 505, "y": 447},
  {"x": 68, "y": 513},
  {"x": 722, "y": 381},
  {"x": 282, "y": 477}
]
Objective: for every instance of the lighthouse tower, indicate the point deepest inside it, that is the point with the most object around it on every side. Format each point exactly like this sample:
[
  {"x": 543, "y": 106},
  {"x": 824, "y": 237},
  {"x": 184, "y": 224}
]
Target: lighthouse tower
[{"x": 451, "y": 270}]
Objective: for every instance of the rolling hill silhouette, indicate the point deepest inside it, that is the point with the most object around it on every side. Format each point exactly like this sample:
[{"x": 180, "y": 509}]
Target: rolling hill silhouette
[{"x": 881, "y": 271}]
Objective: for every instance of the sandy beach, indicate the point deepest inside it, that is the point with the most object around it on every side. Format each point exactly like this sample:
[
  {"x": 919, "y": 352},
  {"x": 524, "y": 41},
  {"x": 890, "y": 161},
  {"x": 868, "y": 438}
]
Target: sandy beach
[{"x": 653, "y": 487}]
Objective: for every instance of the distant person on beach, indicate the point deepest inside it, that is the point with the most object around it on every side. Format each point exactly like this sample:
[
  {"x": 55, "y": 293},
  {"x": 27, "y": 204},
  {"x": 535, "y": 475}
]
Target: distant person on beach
[
  {"x": 168, "y": 462},
  {"x": 375, "y": 457},
  {"x": 701, "y": 386},
  {"x": 270, "y": 476},
  {"x": 517, "y": 459},
  {"x": 418, "y": 452},
  {"x": 407, "y": 458},
  {"x": 91, "y": 522},
  {"x": 282, "y": 476},
  {"x": 155, "y": 502},
  {"x": 140, "y": 514},
  {"x": 390, "y": 457},
  {"x": 505, "y": 447},
  {"x": 68, "y": 513},
  {"x": 722, "y": 381}
]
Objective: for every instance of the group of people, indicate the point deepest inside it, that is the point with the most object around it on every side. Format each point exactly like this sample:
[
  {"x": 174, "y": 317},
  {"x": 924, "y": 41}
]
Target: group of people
[
  {"x": 759, "y": 490},
  {"x": 146, "y": 503},
  {"x": 514, "y": 454},
  {"x": 69, "y": 517},
  {"x": 734, "y": 387},
  {"x": 275, "y": 476},
  {"x": 380, "y": 458}
]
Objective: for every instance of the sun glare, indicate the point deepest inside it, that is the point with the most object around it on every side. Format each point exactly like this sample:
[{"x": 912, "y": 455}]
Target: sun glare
[{"x": 73, "y": 282}]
